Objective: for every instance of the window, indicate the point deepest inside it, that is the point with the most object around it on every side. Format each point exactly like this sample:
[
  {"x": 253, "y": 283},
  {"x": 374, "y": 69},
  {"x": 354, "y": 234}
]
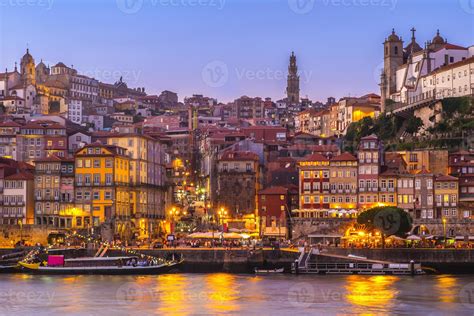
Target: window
[
  {"x": 96, "y": 178},
  {"x": 109, "y": 163},
  {"x": 306, "y": 186},
  {"x": 96, "y": 195},
  {"x": 96, "y": 163},
  {"x": 306, "y": 199}
]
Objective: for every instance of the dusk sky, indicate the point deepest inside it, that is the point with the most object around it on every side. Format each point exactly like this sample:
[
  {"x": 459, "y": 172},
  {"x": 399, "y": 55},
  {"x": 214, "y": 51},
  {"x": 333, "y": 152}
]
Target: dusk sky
[{"x": 226, "y": 48}]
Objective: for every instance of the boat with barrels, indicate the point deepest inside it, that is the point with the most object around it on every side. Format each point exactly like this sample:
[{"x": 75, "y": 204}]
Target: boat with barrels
[{"x": 99, "y": 264}]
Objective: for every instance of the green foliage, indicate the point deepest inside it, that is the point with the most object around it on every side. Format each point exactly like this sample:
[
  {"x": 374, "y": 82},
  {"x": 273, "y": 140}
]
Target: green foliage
[
  {"x": 383, "y": 126},
  {"x": 461, "y": 105},
  {"x": 389, "y": 220},
  {"x": 414, "y": 124}
]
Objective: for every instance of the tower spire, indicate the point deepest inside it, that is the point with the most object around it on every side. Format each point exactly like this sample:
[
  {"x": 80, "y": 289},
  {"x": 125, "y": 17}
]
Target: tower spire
[{"x": 293, "y": 81}]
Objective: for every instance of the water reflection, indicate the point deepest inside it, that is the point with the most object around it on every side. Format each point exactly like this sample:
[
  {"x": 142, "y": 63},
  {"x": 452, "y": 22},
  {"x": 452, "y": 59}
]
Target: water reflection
[
  {"x": 447, "y": 288},
  {"x": 371, "y": 291},
  {"x": 211, "y": 294},
  {"x": 173, "y": 295},
  {"x": 222, "y": 292}
]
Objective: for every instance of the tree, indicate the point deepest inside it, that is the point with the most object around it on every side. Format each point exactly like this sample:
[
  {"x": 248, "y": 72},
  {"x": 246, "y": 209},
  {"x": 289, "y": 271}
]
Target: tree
[
  {"x": 389, "y": 220},
  {"x": 413, "y": 125}
]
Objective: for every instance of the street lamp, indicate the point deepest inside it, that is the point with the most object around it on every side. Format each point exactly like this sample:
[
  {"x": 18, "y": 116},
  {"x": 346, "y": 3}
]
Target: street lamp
[{"x": 444, "y": 229}]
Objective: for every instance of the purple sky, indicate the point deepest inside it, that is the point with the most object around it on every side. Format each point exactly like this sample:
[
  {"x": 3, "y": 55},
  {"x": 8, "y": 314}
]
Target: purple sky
[{"x": 226, "y": 48}]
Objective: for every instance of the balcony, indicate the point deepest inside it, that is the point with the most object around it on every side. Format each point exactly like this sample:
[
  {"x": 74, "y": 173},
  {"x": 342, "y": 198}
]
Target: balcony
[{"x": 361, "y": 189}]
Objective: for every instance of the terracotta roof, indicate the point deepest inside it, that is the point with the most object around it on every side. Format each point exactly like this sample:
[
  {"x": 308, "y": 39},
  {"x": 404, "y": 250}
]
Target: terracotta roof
[
  {"x": 12, "y": 97},
  {"x": 21, "y": 176},
  {"x": 53, "y": 158},
  {"x": 10, "y": 124},
  {"x": 450, "y": 66},
  {"x": 315, "y": 157},
  {"x": 238, "y": 156},
  {"x": 423, "y": 171},
  {"x": 274, "y": 190},
  {"x": 442, "y": 177},
  {"x": 344, "y": 157},
  {"x": 370, "y": 137}
]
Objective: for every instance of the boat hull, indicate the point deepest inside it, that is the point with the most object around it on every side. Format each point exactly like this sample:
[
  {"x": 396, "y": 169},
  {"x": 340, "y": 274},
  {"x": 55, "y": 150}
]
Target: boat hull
[
  {"x": 106, "y": 270},
  {"x": 9, "y": 268}
]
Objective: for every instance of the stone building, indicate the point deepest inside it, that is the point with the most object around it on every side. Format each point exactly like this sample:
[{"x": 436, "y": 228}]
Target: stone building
[
  {"x": 370, "y": 155},
  {"x": 238, "y": 182}
]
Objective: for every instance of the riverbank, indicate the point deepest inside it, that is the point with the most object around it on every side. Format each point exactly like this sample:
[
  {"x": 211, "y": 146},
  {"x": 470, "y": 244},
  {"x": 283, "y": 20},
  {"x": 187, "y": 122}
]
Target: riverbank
[{"x": 206, "y": 260}]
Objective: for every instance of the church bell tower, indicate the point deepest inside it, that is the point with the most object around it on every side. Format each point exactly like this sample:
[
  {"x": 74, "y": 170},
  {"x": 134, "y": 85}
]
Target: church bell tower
[{"x": 293, "y": 81}]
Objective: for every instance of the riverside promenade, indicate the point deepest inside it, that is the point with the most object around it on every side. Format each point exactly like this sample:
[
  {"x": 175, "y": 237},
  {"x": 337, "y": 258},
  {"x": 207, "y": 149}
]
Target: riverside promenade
[{"x": 237, "y": 260}]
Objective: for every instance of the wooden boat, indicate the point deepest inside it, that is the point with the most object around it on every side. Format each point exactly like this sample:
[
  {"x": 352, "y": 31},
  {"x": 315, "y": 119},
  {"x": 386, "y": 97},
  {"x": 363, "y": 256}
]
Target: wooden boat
[
  {"x": 9, "y": 262},
  {"x": 101, "y": 265},
  {"x": 269, "y": 271}
]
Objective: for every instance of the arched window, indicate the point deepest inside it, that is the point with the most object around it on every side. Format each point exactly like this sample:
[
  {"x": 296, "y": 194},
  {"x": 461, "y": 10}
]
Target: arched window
[{"x": 396, "y": 50}]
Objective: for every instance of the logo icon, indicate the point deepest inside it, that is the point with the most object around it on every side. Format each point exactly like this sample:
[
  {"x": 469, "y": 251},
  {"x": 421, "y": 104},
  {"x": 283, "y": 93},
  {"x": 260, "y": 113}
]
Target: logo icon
[
  {"x": 467, "y": 6},
  {"x": 301, "y": 295},
  {"x": 215, "y": 74},
  {"x": 387, "y": 221},
  {"x": 301, "y": 6},
  {"x": 466, "y": 295},
  {"x": 130, "y": 293},
  {"x": 129, "y": 6}
]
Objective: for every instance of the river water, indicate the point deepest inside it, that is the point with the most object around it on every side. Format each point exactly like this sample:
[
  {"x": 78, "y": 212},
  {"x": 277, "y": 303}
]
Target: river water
[{"x": 231, "y": 294}]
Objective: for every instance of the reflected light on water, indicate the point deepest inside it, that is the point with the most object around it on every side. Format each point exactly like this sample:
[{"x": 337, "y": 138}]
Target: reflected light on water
[
  {"x": 222, "y": 292},
  {"x": 374, "y": 291},
  {"x": 447, "y": 288},
  {"x": 173, "y": 295}
]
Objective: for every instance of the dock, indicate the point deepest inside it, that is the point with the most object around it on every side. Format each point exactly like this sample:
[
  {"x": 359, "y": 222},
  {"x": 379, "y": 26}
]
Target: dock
[{"x": 315, "y": 262}]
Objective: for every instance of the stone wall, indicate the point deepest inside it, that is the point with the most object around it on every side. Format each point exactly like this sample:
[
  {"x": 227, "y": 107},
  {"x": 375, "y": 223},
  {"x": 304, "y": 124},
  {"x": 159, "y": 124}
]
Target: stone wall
[
  {"x": 302, "y": 227},
  {"x": 32, "y": 234}
]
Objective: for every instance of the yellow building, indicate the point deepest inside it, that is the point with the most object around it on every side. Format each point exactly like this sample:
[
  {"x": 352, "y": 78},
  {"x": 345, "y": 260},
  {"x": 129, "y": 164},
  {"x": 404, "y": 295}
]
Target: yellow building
[
  {"x": 147, "y": 192},
  {"x": 446, "y": 197},
  {"x": 103, "y": 186},
  {"x": 343, "y": 185}
]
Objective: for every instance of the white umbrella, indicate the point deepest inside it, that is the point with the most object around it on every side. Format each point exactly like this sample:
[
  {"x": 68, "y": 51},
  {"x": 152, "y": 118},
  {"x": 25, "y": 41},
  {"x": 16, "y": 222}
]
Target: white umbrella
[{"x": 413, "y": 237}]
